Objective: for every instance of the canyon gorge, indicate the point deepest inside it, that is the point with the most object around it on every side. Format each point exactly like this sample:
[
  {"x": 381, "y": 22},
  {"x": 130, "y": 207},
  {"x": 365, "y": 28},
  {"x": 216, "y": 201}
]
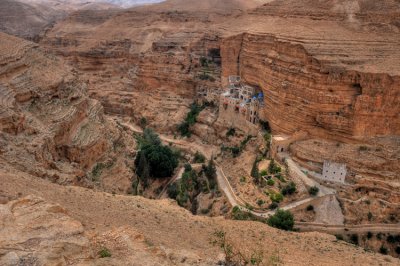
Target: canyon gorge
[{"x": 79, "y": 82}]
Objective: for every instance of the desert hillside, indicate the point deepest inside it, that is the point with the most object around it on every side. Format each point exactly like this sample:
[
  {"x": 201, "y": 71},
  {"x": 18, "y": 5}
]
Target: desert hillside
[{"x": 141, "y": 132}]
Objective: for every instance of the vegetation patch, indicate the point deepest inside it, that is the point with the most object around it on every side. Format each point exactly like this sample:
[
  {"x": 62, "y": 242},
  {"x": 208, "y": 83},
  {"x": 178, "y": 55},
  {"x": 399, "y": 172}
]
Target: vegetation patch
[
  {"x": 282, "y": 219},
  {"x": 153, "y": 158},
  {"x": 104, "y": 253},
  {"x": 190, "y": 120}
]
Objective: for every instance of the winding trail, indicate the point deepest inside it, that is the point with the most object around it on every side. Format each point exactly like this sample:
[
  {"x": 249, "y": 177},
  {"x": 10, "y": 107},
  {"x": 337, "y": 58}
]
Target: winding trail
[{"x": 235, "y": 200}]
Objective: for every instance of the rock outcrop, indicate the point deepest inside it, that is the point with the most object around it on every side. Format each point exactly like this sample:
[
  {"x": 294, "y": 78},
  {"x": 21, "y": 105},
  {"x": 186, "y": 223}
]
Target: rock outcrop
[{"x": 49, "y": 127}]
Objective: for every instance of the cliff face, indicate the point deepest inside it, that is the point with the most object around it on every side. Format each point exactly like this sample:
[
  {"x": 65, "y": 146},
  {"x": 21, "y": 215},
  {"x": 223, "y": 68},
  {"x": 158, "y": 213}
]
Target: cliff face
[
  {"x": 302, "y": 93},
  {"x": 48, "y": 125}
]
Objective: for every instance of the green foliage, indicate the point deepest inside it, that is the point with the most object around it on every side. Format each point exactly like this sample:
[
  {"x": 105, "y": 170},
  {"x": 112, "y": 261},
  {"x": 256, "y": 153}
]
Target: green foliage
[
  {"x": 203, "y": 61},
  {"x": 282, "y": 219},
  {"x": 273, "y": 168},
  {"x": 289, "y": 189},
  {"x": 313, "y": 191},
  {"x": 275, "y": 196},
  {"x": 242, "y": 179},
  {"x": 104, "y": 253},
  {"x": 199, "y": 158},
  {"x": 154, "y": 159},
  {"x": 254, "y": 171},
  {"x": 187, "y": 167},
  {"x": 260, "y": 202},
  {"x": 235, "y": 151},
  {"x": 263, "y": 173},
  {"x": 231, "y": 132},
  {"x": 143, "y": 122},
  {"x": 172, "y": 191},
  {"x": 238, "y": 214},
  {"x": 270, "y": 182},
  {"x": 210, "y": 170},
  {"x": 383, "y": 250},
  {"x": 273, "y": 205},
  {"x": 205, "y": 76},
  {"x": 184, "y": 129},
  {"x": 281, "y": 178},
  {"x": 190, "y": 120},
  {"x": 397, "y": 250},
  {"x": 310, "y": 208},
  {"x": 391, "y": 239}
]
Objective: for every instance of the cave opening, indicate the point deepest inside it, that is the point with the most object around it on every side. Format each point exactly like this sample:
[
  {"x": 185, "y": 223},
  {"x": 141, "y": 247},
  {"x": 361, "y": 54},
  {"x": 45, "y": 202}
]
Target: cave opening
[{"x": 357, "y": 86}]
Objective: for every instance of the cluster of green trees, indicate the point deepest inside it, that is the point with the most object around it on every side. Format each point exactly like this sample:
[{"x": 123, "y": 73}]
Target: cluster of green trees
[
  {"x": 154, "y": 159},
  {"x": 281, "y": 219},
  {"x": 190, "y": 120},
  {"x": 192, "y": 184}
]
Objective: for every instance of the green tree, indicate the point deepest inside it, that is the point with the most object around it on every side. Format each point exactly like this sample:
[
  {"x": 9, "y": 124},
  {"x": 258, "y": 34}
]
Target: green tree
[
  {"x": 254, "y": 172},
  {"x": 313, "y": 191},
  {"x": 289, "y": 189},
  {"x": 210, "y": 170},
  {"x": 282, "y": 220},
  {"x": 154, "y": 159}
]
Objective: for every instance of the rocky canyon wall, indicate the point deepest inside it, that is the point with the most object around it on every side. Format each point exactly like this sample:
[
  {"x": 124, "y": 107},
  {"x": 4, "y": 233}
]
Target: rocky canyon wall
[{"x": 303, "y": 93}]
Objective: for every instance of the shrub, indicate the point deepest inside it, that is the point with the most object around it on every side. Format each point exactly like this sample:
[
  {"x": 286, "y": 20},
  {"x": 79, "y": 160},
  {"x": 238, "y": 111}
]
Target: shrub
[
  {"x": 203, "y": 61},
  {"x": 210, "y": 170},
  {"x": 231, "y": 132},
  {"x": 398, "y": 250},
  {"x": 282, "y": 220},
  {"x": 254, "y": 171},
  {"x": 263, "y": 173},
  {"x": 369, "y": 235},
  {"x": 391, "y": 239},
  {"x": 289, "y": 189},
  {"x": 313, "y": 191},
  {"x": 187, "y": 167},
  {"x": 104, "y": 253},
  {"x": 260, "y": 202},
  {"x": 273, "y": 168},
  {"x": 280, "y": 177},
  {"x": 235, "y": 151},
  {"x": 154, "y": 159},
  {"x": 310, "y": 208},
  {"x": 143, "y": 122},
  {"x": 270, "y": 182},
  {"x": 383, "y": 250},
  {"x": 199, "y": 158},
  {"x": 172, "y": 191},
  {"x": 191, "y": 119},
  {"x": 275, "y": 196},
  {"x": 273, "y": 206},
  {"x": 379, "y": 236}
]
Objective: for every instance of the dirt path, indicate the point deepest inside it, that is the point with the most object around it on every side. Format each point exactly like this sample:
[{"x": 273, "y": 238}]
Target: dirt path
[{"x": 223, "y": 181}]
